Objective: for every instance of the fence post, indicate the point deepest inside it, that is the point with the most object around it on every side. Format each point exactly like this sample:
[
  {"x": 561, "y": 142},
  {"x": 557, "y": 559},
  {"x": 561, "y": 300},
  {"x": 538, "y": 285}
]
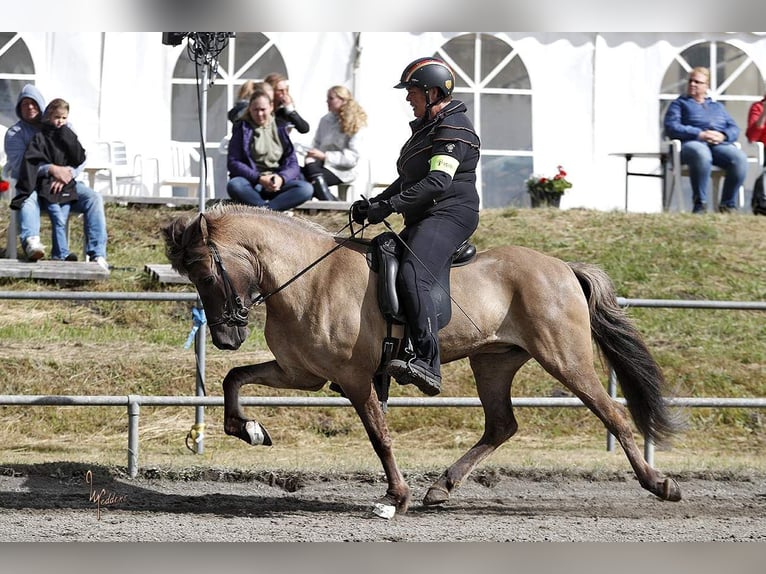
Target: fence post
[
  {"x": 199, "y": 412},
  {"x": 613, "y": 394},
  {"x": 134, "y": 408}
]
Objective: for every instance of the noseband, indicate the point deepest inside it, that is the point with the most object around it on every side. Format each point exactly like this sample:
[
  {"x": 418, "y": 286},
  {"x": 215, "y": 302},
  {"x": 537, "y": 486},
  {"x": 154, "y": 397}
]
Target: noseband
[{"x": 234, "y": 312}]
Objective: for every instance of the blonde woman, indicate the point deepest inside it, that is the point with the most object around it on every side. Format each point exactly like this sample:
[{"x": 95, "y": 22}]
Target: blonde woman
[{"x": 337, "y": 144}]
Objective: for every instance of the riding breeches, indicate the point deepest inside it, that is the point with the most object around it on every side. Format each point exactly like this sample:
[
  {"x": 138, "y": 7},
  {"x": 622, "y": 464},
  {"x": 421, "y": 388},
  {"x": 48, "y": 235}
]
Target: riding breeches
[{"x": 424, "y": 267}]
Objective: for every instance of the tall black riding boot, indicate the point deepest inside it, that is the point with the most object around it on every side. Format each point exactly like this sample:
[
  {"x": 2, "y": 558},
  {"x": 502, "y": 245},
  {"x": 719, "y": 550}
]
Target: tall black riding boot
[{"x": 321, "y": 191}]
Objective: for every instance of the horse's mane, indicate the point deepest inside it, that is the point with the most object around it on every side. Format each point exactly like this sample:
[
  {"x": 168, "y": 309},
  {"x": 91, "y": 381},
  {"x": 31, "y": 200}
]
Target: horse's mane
[{"x": 225, "y": 228}]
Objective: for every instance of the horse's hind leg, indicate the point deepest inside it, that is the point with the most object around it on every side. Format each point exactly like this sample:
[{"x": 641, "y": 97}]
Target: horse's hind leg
[
  {"x": 616, "y": 419},
  {"x": 494, "y": 375},
  {"x": 582, "y": 379}
]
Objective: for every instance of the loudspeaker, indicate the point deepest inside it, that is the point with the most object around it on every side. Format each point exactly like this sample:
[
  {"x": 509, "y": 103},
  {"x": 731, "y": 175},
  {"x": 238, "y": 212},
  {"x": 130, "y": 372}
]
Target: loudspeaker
[{"x": 173, "y": 38}]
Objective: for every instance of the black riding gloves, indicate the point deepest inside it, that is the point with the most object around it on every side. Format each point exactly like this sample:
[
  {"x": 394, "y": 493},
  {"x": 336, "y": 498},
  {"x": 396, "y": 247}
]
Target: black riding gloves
[
  {"x": 379, "y": 211},
  {"x": 359, "y": 211}
]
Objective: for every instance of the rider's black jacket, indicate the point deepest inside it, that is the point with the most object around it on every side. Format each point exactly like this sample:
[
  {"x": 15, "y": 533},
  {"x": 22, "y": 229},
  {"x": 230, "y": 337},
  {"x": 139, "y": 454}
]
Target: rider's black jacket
[{"x": 418, "y": 191}]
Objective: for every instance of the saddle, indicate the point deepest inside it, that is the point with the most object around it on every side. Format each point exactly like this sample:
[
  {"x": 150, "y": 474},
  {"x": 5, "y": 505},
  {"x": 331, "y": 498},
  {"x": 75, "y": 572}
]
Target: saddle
[{"x": 383, "y": 255}]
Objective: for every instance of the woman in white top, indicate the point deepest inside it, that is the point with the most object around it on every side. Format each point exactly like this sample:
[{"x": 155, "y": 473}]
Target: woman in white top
[{"x": 337, "y": 143}]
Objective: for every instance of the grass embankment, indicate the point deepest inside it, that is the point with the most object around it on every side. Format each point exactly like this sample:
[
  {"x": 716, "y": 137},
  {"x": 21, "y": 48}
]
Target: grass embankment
[{"x": 95, "y": 348}]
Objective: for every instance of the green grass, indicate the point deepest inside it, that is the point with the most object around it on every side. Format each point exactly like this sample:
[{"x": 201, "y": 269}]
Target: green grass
[{"x": 98, "y": 347}]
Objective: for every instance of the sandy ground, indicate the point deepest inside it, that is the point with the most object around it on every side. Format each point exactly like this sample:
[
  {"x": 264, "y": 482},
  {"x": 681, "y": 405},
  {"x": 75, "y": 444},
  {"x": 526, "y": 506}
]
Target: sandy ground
[{"x": 46, "y": 503}]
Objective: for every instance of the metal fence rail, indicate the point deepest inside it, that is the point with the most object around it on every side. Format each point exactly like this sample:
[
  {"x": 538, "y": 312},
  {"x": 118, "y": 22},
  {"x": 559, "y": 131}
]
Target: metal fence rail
[{"x": 134, "y": 402}]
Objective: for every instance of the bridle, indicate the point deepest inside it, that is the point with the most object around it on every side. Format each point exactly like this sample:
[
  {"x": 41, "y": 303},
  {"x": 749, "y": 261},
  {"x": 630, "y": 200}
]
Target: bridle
[{"x": 234, "y": 311}]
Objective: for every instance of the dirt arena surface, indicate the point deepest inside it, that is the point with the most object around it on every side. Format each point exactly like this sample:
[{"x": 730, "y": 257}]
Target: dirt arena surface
[{"x": 48, "y": 503}]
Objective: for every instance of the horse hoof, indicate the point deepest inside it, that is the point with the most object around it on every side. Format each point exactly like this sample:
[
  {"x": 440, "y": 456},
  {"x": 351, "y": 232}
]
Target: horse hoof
[
  {"x": 436, "y": 495},
  {"x": 386, "y": 507},
  {"x": 384, "y": 510},
  {"x": 670, "y": 490},
  {"x": 253, "y": 434}
]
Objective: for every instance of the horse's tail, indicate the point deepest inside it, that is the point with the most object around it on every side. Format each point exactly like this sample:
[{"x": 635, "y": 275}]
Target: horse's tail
[{"x": 638, "y": 374}]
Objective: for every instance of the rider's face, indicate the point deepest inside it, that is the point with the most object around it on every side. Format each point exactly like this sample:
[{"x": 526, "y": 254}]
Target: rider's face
[{"x": 417, "y": 99}]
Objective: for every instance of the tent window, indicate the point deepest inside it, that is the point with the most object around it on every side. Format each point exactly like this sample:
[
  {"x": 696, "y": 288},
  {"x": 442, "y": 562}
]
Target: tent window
[
  {"x": 248, "y": 56},
  {"x": 735, "y": 80},
  {"x": 16, "y": 70},
  {"x": 493, "y": 82}
]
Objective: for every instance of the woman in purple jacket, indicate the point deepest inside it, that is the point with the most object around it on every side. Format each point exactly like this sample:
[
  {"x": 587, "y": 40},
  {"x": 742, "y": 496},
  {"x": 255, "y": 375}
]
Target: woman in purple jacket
[
  {"x": 707, "y": 133},
  {"x": 263, "y": 169}
]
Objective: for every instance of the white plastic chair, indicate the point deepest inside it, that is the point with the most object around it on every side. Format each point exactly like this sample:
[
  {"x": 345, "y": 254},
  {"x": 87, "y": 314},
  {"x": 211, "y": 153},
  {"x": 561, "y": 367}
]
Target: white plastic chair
[
  {"x": 109, "y": 162},
  {"x": 362, "y": 185},
  {"x": 181, "y": 169}
]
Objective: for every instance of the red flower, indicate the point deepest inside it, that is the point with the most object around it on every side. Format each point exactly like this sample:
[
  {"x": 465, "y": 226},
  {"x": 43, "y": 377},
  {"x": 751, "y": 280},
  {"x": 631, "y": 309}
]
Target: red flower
[{"x": 4, "y": 186}]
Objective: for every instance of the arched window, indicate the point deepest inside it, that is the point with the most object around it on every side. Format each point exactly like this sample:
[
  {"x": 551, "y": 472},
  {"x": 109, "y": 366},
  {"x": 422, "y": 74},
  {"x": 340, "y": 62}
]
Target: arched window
[
  {"x": 734, "y": 78},
  {"x": 246, "y": 57},
  {"x": 16, "y": 70},
  {"x": 494, "y": 84}
]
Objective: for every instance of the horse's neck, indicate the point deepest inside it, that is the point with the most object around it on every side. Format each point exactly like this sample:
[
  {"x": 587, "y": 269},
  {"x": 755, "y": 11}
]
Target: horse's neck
[
  {"x": 303, "y": 259},
  {"x": 283, "y": 254}
]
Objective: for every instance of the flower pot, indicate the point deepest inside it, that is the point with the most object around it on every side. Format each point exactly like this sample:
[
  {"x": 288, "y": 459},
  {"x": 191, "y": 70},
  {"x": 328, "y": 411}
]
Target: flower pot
[{"x": 546, "y": 199}]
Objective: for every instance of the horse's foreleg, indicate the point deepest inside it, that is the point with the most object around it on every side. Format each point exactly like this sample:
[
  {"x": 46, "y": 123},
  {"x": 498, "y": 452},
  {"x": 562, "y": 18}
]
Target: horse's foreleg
[
  {"x": 268, "y": 374},
  {"x": 397, "y": 498},
  {"x": 494, "y": 375}
]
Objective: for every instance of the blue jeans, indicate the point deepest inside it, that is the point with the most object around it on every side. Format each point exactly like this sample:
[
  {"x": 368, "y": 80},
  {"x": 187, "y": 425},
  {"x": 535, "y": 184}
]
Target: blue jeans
[
  {"x": 89, "y": 203},
  {"x": 58, "y": 214},
  {"x": 701, "y": 157},
  {"x": 292, "y": 193}
]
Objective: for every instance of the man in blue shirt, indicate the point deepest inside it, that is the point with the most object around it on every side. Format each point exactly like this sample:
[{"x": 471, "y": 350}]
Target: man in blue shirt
[{"x": 707, "y": 133}]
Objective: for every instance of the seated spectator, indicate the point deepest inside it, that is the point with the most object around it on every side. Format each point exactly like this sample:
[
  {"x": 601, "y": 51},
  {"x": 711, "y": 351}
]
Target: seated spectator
[
  {"x": 707, "y": 133},
  {"x": 284, "y": 107},
  {"x": 262, "y": 165},
  {"x": 29, "y": 105},
  {"x": 756, "y": 132},
  {"x": 55, "y": 143},
  {"x": 337, "y": 144},
  {"x": 243, "y": 98}
]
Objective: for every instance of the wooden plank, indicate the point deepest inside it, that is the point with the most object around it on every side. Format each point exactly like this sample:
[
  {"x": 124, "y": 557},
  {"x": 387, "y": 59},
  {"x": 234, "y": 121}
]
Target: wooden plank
[
  {"x": 324, "y": 205},
  {"x": 164, "y": 273},
  {"x": 176, "y": 201},
  {"x": 49, "y": 269}
]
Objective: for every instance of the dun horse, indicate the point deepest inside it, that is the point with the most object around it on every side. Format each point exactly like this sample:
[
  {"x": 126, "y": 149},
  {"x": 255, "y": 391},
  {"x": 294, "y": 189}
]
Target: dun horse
[{"x": 516, "y": 304}]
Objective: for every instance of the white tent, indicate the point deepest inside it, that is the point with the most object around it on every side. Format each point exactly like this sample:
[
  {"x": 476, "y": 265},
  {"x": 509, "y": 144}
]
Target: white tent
[{"x": 589, "y": 96}]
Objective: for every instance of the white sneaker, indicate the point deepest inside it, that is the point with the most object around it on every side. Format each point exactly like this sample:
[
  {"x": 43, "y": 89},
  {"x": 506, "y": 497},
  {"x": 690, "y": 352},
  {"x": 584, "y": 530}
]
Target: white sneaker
[
  {"x": 101, "y": 262},
  {"x": 33, "y": 248}
]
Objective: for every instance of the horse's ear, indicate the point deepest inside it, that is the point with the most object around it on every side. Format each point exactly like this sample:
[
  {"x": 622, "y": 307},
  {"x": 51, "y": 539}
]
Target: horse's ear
[{"x": 203, "y": 227}]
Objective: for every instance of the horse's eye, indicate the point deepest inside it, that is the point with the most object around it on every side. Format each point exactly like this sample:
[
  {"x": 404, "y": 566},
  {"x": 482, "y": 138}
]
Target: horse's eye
[{"x": 209, "y": 280}]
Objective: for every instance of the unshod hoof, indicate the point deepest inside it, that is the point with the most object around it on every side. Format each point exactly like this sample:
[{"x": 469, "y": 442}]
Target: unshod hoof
[{"x": 436, "y": 495}]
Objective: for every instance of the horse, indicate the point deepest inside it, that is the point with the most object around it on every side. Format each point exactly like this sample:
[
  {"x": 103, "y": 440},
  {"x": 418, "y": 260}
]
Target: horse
[{"x": 323, "y": 324}]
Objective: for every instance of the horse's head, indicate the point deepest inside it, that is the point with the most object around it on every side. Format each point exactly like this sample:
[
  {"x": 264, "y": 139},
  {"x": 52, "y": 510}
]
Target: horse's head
[{"x": 223, "y": 278}]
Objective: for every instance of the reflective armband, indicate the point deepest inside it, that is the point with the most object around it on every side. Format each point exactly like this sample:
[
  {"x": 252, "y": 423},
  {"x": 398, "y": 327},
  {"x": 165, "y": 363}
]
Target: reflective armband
[{"x": 444, "y": 163}]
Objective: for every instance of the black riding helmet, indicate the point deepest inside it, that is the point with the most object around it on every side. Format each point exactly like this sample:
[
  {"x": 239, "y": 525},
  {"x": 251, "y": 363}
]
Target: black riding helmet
[{"x": 426, "y": 73}]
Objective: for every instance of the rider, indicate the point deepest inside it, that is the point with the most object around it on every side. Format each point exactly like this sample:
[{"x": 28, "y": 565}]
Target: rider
[{"x": 436, "y": 193}]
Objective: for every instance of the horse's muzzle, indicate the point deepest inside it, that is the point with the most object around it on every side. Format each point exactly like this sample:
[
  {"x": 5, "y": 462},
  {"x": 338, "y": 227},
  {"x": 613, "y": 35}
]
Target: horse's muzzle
[{"x": 228, "y": 338}]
